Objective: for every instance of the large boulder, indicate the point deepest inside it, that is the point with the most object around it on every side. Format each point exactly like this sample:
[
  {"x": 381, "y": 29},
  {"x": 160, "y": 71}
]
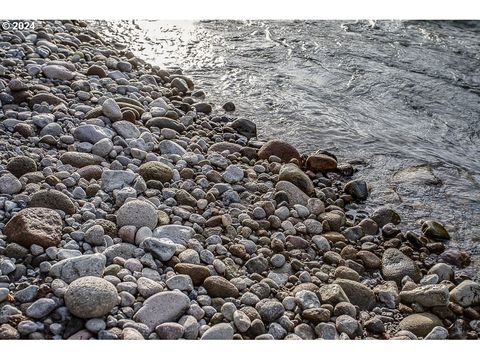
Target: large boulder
[
  {"x": 36, "y": 225},
  {"x": 90, "y": 297}
]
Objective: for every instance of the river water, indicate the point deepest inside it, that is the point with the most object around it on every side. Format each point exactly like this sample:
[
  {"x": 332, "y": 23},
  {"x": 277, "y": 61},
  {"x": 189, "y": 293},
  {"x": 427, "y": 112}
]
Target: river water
[{"x": 400, "y": 98}]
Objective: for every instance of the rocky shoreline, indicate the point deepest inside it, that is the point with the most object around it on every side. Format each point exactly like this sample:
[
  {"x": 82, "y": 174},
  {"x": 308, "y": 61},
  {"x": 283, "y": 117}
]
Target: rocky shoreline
[{"x": 131, "y": 208}]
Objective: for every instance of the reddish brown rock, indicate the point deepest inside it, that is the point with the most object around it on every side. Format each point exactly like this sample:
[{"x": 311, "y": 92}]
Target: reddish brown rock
[
  {"x": 36, "y": 225},
  {"x": 198, "y": 273},
  {"x": 218, "y": 286},
  {"x": 79, "y": 159},
  {"x": 279, "y": 148},
  {"x": 369, "y": 259},
  {"x": 456, "y": 257},
  {"x": 96, "y": 70},
  {"x": 214, "y": 221},
  {"x": 90, "y": 172},
  {"x": 222, "y": 146},
  {"x": 297, "y": 242},
  {"x": 321, "y": 163}
]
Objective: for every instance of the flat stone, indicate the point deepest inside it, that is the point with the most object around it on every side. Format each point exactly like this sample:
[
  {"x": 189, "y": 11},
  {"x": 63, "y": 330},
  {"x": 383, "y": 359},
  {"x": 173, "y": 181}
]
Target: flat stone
[
  {"x": 348, "y": 325},
  {"x": 116, "y": 179},
  {"x": 102, "y": 147},
  {"x": 177, "y": 233},
  {"x": 164, "y": 122},
  {"x": 161, "y": 248},
  {"x": 466, "y": 294},
  {"x": 257, "y": 264},
  {"x": 40, "y": 226},
  {"x": 180, "y": 282},
  {"x": 225, "y": 146},
  {"x": 90, "y": 172},
  {"x": 73, "y": 268},
  {"x": 79, "y": 159},
  {"x": 92, "y": 133},
  {"x": 437, "y": 333},
  {"x": 358, "y": 189},
  {"x": 384, "y": 215},
  {"x": 126, "y": 129},
  {"x": 8, "y": 332},
  {"x": 57, "y": 72},
  {"x": 123, "y": 250},
  {"x": 245, "y": 127},
  {"x": 333, "y": 294},
  {"x": 203, "y": 107},
  {"x": 426, "y": 295},
  {"x": 45, "y": 97},
  {"x": 168, "y": 147},
  {"x": 163, "y": 307},
  {"x": 435, "y": 231},
  {"x": 148, "y": 287},
  {"x": 233, "y": 174},
  {"x": 41, "y": 308}
]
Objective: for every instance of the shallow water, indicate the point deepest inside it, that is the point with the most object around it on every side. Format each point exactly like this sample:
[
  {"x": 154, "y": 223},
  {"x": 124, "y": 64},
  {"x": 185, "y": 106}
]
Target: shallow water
[{"x": 401, "y": 97}]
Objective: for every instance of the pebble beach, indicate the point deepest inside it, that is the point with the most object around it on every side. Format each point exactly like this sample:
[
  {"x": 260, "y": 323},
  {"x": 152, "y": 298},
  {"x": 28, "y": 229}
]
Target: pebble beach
[{"x": 132, "y": 208}]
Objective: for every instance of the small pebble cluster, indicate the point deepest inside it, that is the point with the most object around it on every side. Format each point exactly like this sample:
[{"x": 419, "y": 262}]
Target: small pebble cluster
[{"x": 131, "y": 208}]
